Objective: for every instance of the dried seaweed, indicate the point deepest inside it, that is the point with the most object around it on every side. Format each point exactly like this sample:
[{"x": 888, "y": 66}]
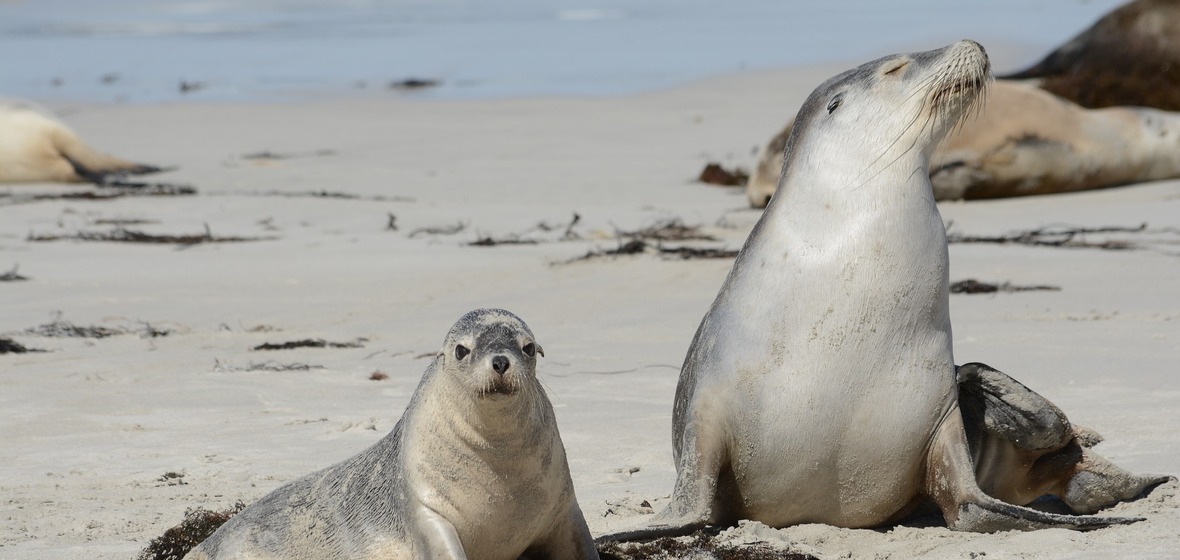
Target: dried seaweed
[
  {"x": 638, "y": 246},
  {"x": 569, "y": 229},
  {"x": 197, "y": 526},
  {"x": 329, "y": 194},
  {"x": 268, "y": 365},
  {"x": 66, "y": 329},
  {"x": 972, "y": 286},
  {"x": 152, "y": 332},
  {"x": 309, "y": 343},
  {"x": 141, "y": 188},
  {"x": 439, "y": 230},
  {"x": 109, "y": 190},
  {"x": 691, "y": 253},
  {"x": 10, "y": 346},
  {"x": 124, "y": 222},
  {"x": 267, "y": 155},
  {"x": 668, "y": 230},
  {"x": 317, "y": 194},
  {"x": 276, "y": 366},
  {"x": 568, "y": 234},
  {"x": 124, "y": 235},
  {"x": 698, "y": 545},
  {"x": 12, "y": 276},
  {"x": 715, "y": 174},
  {"x": 1055, "y": 236},
  {"x": 488, "y": 241}
]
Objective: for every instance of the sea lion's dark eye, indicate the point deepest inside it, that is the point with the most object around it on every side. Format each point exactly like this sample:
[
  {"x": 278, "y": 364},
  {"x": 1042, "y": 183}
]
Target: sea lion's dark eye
[
  {"x": 530, "y": 349},
  {"x": 836, "y": 101},
  {"x": 461, "y": 352}
]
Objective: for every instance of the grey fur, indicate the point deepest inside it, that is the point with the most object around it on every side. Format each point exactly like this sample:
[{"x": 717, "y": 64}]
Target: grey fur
[{"x": 475, "y": 468}]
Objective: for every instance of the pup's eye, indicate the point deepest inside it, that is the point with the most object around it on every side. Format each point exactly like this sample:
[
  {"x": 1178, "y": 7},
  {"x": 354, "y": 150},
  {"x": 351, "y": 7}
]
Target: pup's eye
[
  {"x": 530, "y": 349},
  {"x": 836, "y": 101},
  {"x": 896, "y": 68},
  {"x": 461, "y": 352}
]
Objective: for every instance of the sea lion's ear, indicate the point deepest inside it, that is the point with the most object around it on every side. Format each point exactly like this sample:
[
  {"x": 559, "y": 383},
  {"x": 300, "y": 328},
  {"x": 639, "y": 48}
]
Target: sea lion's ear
[{"x": 540, "y": 351}]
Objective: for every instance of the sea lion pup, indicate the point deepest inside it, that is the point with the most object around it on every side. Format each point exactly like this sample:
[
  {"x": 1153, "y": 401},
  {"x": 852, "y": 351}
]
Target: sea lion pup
[
  {"x": 36, "y": 147},
  {"x": 1026, "y": 141},
  {"x": 820, "y": 386},
  {"x": 475, "y": 468}
]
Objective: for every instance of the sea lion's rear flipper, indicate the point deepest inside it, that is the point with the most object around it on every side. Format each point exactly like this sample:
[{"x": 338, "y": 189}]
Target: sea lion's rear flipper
[
  {"x": 1098, "y": 484},
  {"x": 1024, "y": 447},
  {"x": 996, "y": 404},
  {"x": 950, "y": 482},
  {"x": 93, "y": 165}
]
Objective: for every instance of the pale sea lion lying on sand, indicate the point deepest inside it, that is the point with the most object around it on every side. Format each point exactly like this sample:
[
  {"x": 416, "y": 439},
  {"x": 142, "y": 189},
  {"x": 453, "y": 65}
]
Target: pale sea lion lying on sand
[
  {"x": 35, "y": 147},
  {"x": 1025, "y": 141}
]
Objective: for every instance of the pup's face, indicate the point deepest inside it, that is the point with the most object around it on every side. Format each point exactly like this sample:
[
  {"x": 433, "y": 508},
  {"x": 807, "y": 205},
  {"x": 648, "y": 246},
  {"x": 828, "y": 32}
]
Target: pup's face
[{"x": 494, "y": 353}]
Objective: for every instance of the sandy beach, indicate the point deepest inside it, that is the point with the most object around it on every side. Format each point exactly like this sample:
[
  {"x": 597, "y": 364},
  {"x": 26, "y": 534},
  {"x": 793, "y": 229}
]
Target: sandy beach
[{"x": 92, "y": 427}]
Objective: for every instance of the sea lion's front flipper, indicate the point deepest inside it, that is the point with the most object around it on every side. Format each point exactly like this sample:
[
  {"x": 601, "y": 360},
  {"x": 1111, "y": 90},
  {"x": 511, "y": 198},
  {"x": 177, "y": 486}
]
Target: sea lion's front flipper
[
  {"x": 568, "y": 540},
  {"x": 693, "y": 498},
  {"x": 436, "y": 538},
  {"x": 1024, "y": 447},
  {"x": 950, "y": 482}
]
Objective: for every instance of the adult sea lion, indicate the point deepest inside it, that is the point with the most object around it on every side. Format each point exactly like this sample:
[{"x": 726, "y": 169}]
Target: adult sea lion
[
  {"x": 820, "y": 386},
  {"x": 475, "y": 468},
  {"x": 1025, "y": 141},
  {"x": 36, "y": 147},
  {"x": 1129, "y": 57}
]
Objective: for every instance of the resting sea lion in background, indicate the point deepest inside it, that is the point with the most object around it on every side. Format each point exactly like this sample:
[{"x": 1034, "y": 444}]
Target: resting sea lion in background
[
  {"x": 1025, "y": 141},
  {"x": 1129, "y": 57},
  {"x": 35, "y": 147}
]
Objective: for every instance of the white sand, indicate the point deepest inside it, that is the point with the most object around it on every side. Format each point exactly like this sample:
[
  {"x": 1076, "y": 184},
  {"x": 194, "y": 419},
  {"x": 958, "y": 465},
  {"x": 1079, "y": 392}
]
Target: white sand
[{"x": 88, "y": 429}]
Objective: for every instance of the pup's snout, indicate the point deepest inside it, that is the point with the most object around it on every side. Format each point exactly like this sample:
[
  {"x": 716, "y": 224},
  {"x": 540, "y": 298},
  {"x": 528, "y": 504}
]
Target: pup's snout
[{"x": 500, "y": 364}]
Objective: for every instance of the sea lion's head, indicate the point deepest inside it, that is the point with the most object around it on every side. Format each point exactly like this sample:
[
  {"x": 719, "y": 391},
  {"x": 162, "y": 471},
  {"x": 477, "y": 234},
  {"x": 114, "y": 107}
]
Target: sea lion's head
[
  {"x": 859, "y": 123},
  {"x": 492, "y": 353}
]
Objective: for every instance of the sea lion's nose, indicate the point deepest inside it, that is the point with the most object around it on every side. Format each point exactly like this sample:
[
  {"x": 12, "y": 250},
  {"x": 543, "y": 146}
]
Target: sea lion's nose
[{"x": 500, "y": 364}]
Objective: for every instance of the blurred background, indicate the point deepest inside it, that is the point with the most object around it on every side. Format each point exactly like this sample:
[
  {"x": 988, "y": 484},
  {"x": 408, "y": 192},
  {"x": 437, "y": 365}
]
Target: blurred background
[{"x": 142, "y": 51}]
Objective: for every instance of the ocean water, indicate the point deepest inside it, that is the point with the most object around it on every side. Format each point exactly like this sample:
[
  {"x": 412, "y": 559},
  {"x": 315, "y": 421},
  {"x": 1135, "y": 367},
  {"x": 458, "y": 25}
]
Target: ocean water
[{"x": 139, "y": 51}]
